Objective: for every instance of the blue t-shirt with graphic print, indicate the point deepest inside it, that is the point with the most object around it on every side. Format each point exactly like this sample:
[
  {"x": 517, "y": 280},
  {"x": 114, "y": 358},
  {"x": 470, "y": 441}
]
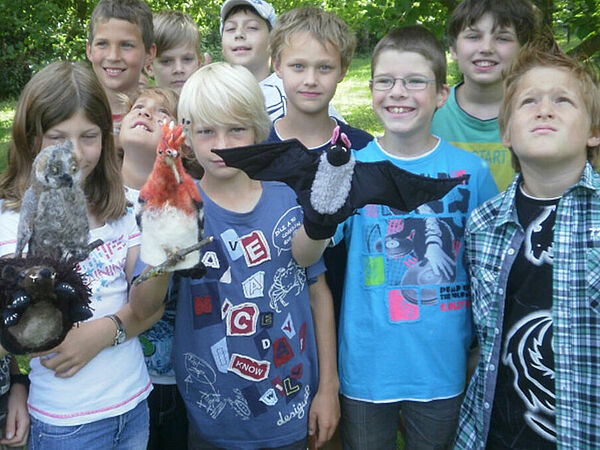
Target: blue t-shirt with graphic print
[
  {"x": 405, "y": 323},
  {"x": 244, "y": 351}
]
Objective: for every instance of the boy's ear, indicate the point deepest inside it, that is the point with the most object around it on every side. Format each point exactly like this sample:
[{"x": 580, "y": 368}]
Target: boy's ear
[
  {"x": 150, "y": 54},
  {"x": 506, "y": 138},
  {"x": 148, "y": 70},
  {"x": 442, "y": 96},
  {"x": 453, "y": 53},
  {"x": 594, "y": 139},
  {"x": 88, "y": 50},
  {"x": 276, "y": 68}
]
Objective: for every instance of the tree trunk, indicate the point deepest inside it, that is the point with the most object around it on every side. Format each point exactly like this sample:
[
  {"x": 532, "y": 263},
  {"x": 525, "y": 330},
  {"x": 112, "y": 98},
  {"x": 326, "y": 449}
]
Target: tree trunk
[
  {"x": 546, "y": 8},
  {"x": 587, "y": 47}
]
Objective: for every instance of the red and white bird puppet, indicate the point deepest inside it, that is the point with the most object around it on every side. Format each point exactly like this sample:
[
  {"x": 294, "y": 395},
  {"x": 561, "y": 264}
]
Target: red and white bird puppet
[{"x": 170, "y": 207}]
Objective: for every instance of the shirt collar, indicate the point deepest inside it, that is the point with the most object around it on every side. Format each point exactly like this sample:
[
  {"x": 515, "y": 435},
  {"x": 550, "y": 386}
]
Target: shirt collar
[{"x": 507, "y": 212}]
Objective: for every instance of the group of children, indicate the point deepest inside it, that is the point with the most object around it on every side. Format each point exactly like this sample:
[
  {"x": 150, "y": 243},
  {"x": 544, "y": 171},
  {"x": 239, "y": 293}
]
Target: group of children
[{"x": 247, "y": 356}]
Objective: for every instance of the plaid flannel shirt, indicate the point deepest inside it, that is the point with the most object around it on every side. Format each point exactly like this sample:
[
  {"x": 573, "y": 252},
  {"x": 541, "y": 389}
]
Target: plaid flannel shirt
[{"x": 492, "y": 240}]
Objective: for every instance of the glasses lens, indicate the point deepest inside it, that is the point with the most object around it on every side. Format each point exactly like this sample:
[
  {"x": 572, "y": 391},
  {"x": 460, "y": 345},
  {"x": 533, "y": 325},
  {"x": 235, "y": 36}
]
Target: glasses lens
[
  {"x": 382, "y": 84},
  {"x": 415, "y": 83}
]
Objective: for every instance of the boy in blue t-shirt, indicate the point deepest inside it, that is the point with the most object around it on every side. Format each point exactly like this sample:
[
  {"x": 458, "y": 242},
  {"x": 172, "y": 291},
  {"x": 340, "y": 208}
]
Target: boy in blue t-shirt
[
  {"x": 405, "y": 326},
  {"x": 254, "y": 348}
]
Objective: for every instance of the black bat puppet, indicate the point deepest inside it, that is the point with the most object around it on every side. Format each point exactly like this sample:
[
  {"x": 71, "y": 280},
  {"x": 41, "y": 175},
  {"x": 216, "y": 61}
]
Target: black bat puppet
[{"x": 332, "y": 185}]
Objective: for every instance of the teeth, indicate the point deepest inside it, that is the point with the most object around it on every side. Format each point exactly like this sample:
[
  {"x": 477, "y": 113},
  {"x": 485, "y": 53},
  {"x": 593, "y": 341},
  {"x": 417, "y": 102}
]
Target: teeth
[
  {"x": 399, "y": 109},
  {"x": 143, "y": 127},
  {"x": 485, "y": 63},
  {"x": 114, "y": 71}
]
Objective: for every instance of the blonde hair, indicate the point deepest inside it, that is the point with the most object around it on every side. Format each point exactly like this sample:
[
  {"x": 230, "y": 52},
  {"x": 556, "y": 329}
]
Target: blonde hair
[
  {"x": 545, "y": 52},
  {"x": 325, "y": 27},
  {"x": 175, "y": 28},
  {"x": 222, "y": 94},
  {"x": 52, "y": 96}
]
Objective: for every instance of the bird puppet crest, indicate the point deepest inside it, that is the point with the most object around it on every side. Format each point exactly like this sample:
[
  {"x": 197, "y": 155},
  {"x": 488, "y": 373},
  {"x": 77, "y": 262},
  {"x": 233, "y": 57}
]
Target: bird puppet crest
[{"x": 170, "y": 212}]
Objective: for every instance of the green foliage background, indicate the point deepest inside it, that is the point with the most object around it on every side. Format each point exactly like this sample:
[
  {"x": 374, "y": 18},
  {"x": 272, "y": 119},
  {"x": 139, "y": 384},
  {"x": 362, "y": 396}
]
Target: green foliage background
[{"x": 35, "y": 32}]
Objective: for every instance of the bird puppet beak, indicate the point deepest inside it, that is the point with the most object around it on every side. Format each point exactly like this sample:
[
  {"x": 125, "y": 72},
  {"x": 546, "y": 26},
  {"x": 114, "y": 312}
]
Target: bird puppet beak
[{"x": 171, "y": 163}]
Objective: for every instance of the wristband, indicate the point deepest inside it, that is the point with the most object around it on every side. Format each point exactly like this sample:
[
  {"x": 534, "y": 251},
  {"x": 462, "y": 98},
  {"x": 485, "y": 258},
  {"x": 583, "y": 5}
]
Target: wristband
[{"x": 19, "y": 378}]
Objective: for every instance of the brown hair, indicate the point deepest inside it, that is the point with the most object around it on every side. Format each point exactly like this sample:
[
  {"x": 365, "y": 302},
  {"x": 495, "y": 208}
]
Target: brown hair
[
  {"x": 521, "y": 14},
  {"x": 324, "y": 26},
  {"x": 417, "y": 39},
  {"x": 169, "y": 98},
  {"x": 132, "y": 11},
  {"x": 545, "y": 52},
  {"x": 175, "y": 28},
  {"x": 52, "y": 96},
  {"x": 166, "y": 96}
]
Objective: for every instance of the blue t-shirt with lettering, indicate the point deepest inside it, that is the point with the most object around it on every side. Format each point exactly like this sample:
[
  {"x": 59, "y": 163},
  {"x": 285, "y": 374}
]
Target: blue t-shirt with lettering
[{"x": 244, "y": 351}]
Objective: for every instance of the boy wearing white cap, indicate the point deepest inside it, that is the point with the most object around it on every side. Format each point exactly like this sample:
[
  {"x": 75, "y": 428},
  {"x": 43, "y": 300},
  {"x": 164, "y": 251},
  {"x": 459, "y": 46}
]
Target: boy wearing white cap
[{"x": 245, "y": 28}]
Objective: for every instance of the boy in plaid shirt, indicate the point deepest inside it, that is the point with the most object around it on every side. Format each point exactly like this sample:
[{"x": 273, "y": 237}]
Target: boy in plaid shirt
[{"x": 534, "y": 261}]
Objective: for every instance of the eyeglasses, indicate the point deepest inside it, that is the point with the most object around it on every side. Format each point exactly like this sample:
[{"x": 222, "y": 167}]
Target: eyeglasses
[{"x": 414, "y": 83}]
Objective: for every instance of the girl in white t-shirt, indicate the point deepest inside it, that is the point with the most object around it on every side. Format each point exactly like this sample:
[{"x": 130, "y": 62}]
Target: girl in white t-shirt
[{"x": 90, "y": 391}]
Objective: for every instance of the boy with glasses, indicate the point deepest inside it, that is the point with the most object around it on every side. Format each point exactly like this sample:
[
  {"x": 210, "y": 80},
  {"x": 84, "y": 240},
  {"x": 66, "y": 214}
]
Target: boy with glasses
[{"x": 405, "y": 326}]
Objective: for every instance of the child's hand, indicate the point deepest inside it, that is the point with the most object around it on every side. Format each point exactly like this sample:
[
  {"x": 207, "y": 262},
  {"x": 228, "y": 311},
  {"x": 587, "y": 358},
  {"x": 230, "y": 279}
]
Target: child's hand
[
  {"x": 17, "y": 420},
  {"x": 324, "y": 416},
  {"x": 80, "y": 346}
]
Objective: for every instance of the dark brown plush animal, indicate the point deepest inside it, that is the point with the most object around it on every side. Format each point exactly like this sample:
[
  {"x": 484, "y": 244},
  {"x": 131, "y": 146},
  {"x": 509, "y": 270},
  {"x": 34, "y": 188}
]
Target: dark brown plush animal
[{"x": 40, "y": 300}]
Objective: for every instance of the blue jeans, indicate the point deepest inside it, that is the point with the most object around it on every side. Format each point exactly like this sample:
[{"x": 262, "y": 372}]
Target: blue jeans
[
  {"x": 129, "y": 431},
  {"x": 374, "y": 426}
]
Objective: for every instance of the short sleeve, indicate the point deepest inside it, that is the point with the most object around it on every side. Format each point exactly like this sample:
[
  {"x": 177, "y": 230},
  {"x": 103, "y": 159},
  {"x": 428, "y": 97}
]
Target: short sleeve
[
  {"x": 133, "y": 231},
  {"x": 313, "y": 272},
  {"x": 486, "y": 186},
  {"x": 9, "y": 223}
]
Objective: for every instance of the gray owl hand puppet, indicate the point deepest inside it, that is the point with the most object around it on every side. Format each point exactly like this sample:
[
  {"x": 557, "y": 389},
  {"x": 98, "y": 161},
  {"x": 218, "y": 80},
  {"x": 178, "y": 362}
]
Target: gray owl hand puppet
[{"x": 41, "y": 294}]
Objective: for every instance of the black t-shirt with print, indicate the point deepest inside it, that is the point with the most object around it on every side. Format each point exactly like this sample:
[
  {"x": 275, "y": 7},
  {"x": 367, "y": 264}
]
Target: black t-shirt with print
[{"x": 523, "y": 412}]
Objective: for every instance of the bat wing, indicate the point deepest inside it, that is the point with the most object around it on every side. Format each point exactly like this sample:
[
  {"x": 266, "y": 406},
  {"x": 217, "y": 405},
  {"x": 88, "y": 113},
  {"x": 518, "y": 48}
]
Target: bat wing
[
  {"x": 384, "y": 183},
  {"x": 288, "y": 161}
]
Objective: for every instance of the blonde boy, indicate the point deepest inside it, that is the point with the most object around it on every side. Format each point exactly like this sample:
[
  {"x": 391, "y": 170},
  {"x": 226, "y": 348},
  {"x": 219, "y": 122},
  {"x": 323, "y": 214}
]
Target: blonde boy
[
  {"x": 255, "y": 367},
  {"x": 120, "y": 43},
  {"x": 178, "y": 49},
  {"x": 311, "y": 50},
  {"x": 533, "y": 259},
  {"x": 484, "y": 38}
]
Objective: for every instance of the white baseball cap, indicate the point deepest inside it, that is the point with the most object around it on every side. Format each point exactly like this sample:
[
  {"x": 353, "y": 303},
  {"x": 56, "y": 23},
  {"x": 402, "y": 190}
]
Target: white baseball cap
[{"x": 262, "y": 8}]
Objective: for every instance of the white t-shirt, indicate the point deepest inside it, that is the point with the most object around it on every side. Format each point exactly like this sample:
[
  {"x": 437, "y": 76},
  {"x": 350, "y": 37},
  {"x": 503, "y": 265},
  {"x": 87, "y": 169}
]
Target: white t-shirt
[
  {"x": 274, "y": 93},
  {"x": 116, "y": 380}
]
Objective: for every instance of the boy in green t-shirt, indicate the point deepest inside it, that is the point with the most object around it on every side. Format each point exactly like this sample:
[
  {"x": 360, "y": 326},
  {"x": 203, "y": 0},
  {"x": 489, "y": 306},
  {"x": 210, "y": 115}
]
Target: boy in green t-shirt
[{"x": 484, "y": 37}]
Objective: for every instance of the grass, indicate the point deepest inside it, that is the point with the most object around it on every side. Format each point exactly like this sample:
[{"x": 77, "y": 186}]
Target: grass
[{"x": 353, "y": 97}]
